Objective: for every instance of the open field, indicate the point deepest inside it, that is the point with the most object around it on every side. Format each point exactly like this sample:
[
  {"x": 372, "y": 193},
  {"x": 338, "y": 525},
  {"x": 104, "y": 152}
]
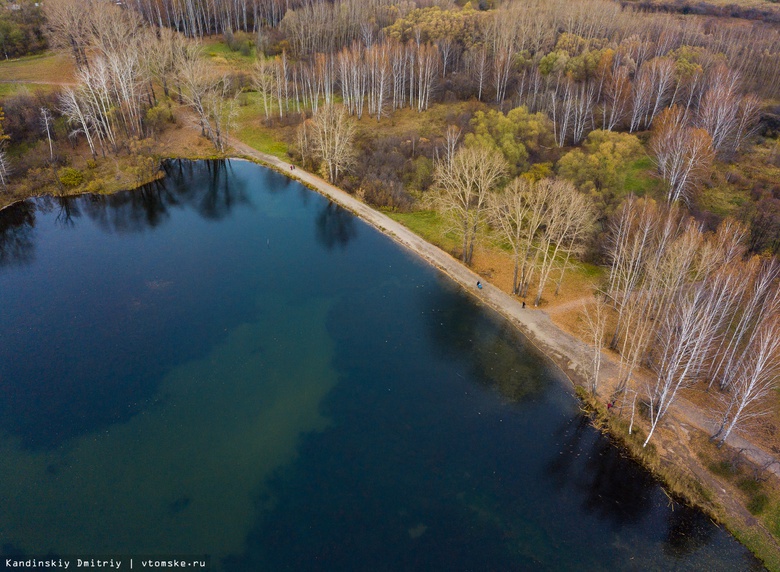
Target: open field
[{"x": 54, "y": 68}]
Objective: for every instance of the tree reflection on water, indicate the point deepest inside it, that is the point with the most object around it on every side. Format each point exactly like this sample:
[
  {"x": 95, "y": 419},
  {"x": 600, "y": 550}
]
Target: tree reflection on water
[
  {"x": 335, "y": 226},
  {"x": 17, "y": 234}
]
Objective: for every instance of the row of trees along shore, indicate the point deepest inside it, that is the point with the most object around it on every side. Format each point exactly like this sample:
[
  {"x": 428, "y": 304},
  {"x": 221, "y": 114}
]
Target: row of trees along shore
[
  {"x": 686, "y": 305},
  {"x": 691, "y": 307}
]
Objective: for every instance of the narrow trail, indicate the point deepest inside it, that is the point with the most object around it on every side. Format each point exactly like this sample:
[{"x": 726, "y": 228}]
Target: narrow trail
[
  {"x": 570, "y": 354},
  {"x": 575, "y": 304}
]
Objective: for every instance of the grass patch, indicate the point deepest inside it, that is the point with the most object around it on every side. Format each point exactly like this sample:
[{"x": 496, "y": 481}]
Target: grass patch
[
  {"x": 220, "y": 53},
  {"x": 427, "y": 124},
  {"x": 590, "y": 271},
  {"x": 56, "y": 68},
  {"x": 263, "y": 141},
  {"x": 757, "y": 504},
  {"x": 252, "y": 131},
  {"x": 640, "y": 179},
  {"x": 723, "y": 199},
  {"x": 429, "y": 225},
  {"x": 722, "y": 468}
]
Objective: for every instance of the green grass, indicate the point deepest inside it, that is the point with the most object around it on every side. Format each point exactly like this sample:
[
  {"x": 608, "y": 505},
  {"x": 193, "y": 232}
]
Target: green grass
[
  {"x": 591, "y": 271},
  {"x": 723, "y": 199},
  {"x": 8, "y": 89},
  {"x": 639, "y": 178},
  {"x": 217, "y": 49},
  {"x": 760, "y": 498},
  {"x": 253, "y": 133},
  {"x": 429, "y": 225},
  {"x": 263, "y": 142},
  {"x": 773, "y": 519}
]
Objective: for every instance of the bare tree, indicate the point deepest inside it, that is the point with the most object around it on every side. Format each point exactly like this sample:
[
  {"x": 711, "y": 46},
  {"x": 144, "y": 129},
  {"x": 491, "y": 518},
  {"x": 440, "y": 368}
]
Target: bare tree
[
  {"x": 683, "y": 154},
  {"x": 567, "y": 215},
  {"x": 508, "y": 212},
  {"x": 263, "y": 80},
  {"x": 331, "y": 134},
  {"x": 5, "y": 168},
  {"x": 595, "y": 316},
  {"x": 451, "y": 143},
  {"x": 72, "y": 107},
  {"x": 46, "y": 122},
  {"x": 477, "y": 61},
  {"x": 68, "y": 26},
  {"x": 464, "y": 186},
  {"x": 685, "y": 334},
  {"x": 719, "y": 109},
  {"x": 211, "y": 97},
  {"x": 756, "y": 379},
  {"x": 754, "y": 300}
]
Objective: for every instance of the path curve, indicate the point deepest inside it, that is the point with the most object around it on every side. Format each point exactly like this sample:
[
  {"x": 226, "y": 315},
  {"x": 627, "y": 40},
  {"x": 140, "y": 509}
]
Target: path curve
[{"x": 570, "y": 354}]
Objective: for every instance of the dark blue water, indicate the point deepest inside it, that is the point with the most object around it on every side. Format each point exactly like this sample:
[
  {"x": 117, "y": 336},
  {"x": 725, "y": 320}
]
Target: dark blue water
[{"x": 225, "y": 363}]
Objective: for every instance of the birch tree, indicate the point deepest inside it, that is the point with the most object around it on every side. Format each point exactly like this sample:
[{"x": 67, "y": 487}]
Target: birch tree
[
  {"x": 595, "y": 318},
  {"x": 684, "y": 335},
  {"x": 682, "y": 154},
  {"x": 68, "y": 24},
  {"x": 755, "y": 381},
  {"x": 508, "y": 213},
  {"x": 464, "y": 186},
  {"x": 567, "y": 215},
  {"x": 5, "y": 169},
  {"x": 263, "y": 81},
  {"x": 331, "y": 134}
]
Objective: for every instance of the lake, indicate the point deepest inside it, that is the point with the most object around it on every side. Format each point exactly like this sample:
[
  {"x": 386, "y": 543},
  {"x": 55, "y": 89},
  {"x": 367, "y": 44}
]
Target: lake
[{"x": 225, "y": 363}]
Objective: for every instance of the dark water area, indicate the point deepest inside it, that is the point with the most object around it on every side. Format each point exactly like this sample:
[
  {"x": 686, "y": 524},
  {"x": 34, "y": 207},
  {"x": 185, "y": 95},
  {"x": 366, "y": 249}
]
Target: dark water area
[{"x": 225, "y": 363}]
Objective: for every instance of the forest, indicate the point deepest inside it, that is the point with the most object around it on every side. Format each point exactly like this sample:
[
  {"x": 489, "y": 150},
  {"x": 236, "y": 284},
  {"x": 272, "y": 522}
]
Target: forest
[{"x": 628, "y": 150}]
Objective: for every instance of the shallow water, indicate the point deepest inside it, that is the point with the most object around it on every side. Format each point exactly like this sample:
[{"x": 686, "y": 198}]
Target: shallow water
[{"x": 225, "y": 363}]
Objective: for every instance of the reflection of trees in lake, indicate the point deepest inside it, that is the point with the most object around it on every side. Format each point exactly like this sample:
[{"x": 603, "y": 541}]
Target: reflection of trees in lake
[
  {"x": 203, "y": 186},
  {"x": 222, "y": 193},
  {"x": 131, "y": 211},
  {"x": 67, "y": 211},
  {"x": 17, "y": 226},
  {"x": 335, "y": 226},
  {"x": 612, "y": 486},
  {"x": 493, "y": 350}
]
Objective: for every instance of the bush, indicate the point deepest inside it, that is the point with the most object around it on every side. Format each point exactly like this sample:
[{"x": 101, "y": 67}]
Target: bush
[
  {"x": 158, "y": 117},
  {"x": 757, "y": 503},
  {"x": 70, "y": 177}
]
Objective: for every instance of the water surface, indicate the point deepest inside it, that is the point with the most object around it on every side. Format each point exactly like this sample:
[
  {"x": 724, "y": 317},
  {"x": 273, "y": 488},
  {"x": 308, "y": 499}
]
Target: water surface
[{"x": 226, "y": 363}]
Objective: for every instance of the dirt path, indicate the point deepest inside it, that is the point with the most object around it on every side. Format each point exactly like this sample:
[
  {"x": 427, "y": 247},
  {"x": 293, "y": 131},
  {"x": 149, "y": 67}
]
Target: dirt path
[
  {"x": 569, "y": 353},
  {"x": 575, "y": 304}
]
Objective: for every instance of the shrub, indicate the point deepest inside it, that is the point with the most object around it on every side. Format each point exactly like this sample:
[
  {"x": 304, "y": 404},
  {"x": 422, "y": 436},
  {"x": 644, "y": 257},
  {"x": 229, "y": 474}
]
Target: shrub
[
  {"x": 757, "y": 503},
  {"x": 70, "y": 177},
  {"x": 158, "y": 116}
]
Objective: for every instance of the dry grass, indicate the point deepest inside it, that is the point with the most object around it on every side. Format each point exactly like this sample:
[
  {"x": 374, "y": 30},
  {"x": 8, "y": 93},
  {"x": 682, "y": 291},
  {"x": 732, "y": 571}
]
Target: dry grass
[{"x": 50, "y": 68}]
